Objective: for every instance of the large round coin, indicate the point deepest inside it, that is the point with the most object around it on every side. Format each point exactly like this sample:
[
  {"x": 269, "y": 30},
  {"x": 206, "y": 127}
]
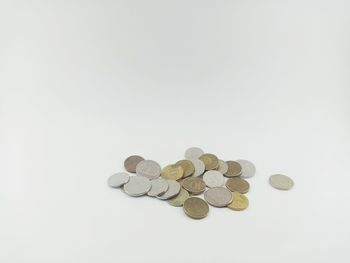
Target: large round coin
[
  {"x": 180, "y": 199},
  {"x": 131, "y": 162},
  {"x": 194, "y": 185},
  {"x": 193, "y": 153},
  {"x": 149, "y": 169},
  {"x": 218, "y": 196},
  {"x": 210, "y": 161},
  {"x": 173, "y": 190},
  {"x": 234, "y": 169},
  {"x": 118, "y": 180},
  {"x": 237, "y": 184},
  {"x": 172, "y": 171},
  {"x": 281, "y": 182},
  {"x": 223, "y": 167},
  {"x": 239, "y": 202},
  {"x": 213, "y": 179},
  {"x": 137, "y": 186},
  {"x": 196, "y": 208},
  {"x": 248, "y": 168},
  {"x": 187, "y": 167},
  {"x": 158, "y": 186},
  {"x": 199, "y": 167}
]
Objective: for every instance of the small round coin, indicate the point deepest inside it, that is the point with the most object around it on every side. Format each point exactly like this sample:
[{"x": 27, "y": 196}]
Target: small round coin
[
  {"x": 239, "y": 202},
  {"x": 248, "y": 168},
  {"x": 210, "y": 161},
  {"x": 158, "y": 186},
  {"x": 137, "y": 186},
  {"x": 149, "y": 169},
  {"x": 173, "y": 190},
  {"x": 180, "y": 199},
  {"x": 118, "y": 180},
  {"x": 196, "y": 208},
  {"x": 172, "y": 171},
  {"x": 187, "y": 166},
  {"x": 199, "y": 167},
  {"x": 213, "y": 178},
  {"x": 193, "y": 153},
  {"x": 223, "y": 167},
  {"x": 237, "y": 184},
  {"x": 194, "y": 185},
  {"x": 234, "y": 169},
  {"x": 218, "y": 196},
  {"x": 131, "y": 162},
  {"x": 281, "y": 182}
]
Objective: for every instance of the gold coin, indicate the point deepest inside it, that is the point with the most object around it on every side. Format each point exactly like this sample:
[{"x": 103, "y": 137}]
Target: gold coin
[
  {"x": 210, "y": 161},
  {"x": 239, "y": 202},
  {"x": 237, "y": 184},
  {"x": 172, "y": 171},
  {"x": 187, "y": 167},
  {"x": 196, "y": 208},
  {"x": 180, "y": 199},
  {"x": 194, "y": 185},
  {"x": 234, "y": 169}
]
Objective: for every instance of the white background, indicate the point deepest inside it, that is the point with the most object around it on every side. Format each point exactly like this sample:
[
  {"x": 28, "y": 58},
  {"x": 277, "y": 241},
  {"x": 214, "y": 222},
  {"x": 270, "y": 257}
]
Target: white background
[{"x": 84, "y": 84}]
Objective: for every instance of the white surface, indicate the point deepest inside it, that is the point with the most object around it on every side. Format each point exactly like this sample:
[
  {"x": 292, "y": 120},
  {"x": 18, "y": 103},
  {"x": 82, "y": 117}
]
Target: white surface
[{"x": 84, "y": 84}]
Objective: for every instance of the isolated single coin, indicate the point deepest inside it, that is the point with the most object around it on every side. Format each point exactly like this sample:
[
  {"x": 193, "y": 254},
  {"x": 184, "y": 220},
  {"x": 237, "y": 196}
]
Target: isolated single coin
[
  {"x": 194, "y": 185},
  {"x": 131, "y": 162},
  {"x": 213, "y": 178},
  {"x": 187, "y": 167},
  {"x": 210, "y": 161},
  {"x": 196, "y": 208},
  {"x": 158, "y": 186},
  {"x": 193, "y": 153},
  {"x": 234, "y": 169},
  {"x": 223, "y": 167},
  {"x": 237, "y": 184},
  {"x": 218, "y": 196},
  {"x": 118, "y": 179},
  {"x": 239, "y": 202},
  {"x": 172, "y": 171},
  {"x": 137, "y": 186},
  {"x": 173, "y": 190},
  {"x": 180, "y": 199},
  {"x": 149, "y": 169},
  {"x": 248, "y": 168},
  {"x": 281, "y": 182},
  {"x": 199, "y": 167}
]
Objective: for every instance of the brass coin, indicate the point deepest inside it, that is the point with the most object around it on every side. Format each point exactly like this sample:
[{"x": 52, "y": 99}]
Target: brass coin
[
  {"x": 172, "y": 171},
  {"x": 194, "y": 185},
  {"x": 131, "y": 162},
  {"x": 196, "y": 208},
  {"x": 237, "y": 184},
  {"x": 187, "y": 166},
  {"x": 210, "y": 161},
  {"x": 234, "y": 169},
  {"x": 180, "y": 199},
  {"x": 239, "y": 202}
]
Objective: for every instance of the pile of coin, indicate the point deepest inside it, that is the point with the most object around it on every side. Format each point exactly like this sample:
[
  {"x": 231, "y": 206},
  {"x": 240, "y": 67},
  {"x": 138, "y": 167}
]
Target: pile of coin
[{"x": 223, "y": 183}]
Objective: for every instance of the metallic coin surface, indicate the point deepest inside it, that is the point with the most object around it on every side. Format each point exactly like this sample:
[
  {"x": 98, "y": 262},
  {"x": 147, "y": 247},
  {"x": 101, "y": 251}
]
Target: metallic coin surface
[
  {"x": 131, "y": 162},
  {"x": 239, "y": 202},
  {"x": 199, "y": 167},
  {"x": 196, "y": 208},
  {"x": 187, "y": 167},
  {"x": 234, "y": 169},
  {"x": 193, "y": 153},
  {"x": 118, "y": 179},
  {"x": 158, "y": 186},
  {"x": 172, "y": 171},
  {"x": 210, "y": 161},
  {"x": 218, "y": 196},
  {"x": 213, "y": 178},
  {"x": 248, "y": 168},
  {"x": 149, "y": 169},
  {"x": 180, "y": 199},
  {"x": 281, "y": 182},
  {"x": 223, "y": 167},
  {"x": 237, "y": 184},
  {"x": 194, "y": 185},
  {"x": 173, "y": 190},
  {"x": 137, "y": 186}
]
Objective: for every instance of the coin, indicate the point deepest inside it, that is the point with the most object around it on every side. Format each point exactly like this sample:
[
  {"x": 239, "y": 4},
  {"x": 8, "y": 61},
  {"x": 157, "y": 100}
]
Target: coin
[
  {"x": 158, "y": 186},
  {"x": 196, "y": 208},
  {"x": 118, "y": 179},
  {"x": 281, "y": 182},
  {"x": 187, "y": 167},
  {"x": 237, "y": 184},
  {"x": 180, "y": 199},
  {"x": 213, "y": 178},
  {"x": 239, "y": 202},
  {"x": 193, "y": 153},
  {"x": 223, "y": 167},
  {"x": 149, "y": 169},
  {"x": 194, "y": 185},
  {"x": 173, "y": 190},
  {"x": 199, "y": 167},
  {"x": 172, "y": 171},
  {"x": 137, "y": 186},
  {"x": 234, "y": 169},
  {"x": 248, "y": 168},
  {"x": 218, "y": 196},
  {"x": 131, "y": 162},
  {"x": 210, "y": 161}
]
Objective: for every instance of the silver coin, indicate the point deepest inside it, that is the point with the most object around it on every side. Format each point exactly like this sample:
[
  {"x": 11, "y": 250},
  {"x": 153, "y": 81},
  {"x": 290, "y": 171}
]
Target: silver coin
[
  {"x": 199, "y": 167},
  {"x": 223, "y": 167},
  {"x": 193, "y": 153},
  {"x": 248, "y": 168},
  {"x": 118, "y": 179},
  {"x": 149, "y": 169},
  {"x": 173, "y": 190},
  {"x": 137, "y": 186},
  {"x": 158, "y": 186},
  {"x": 281, "y": 182},
  {"x": 218, "y": 196},
  {"x": 213, "y": 178}
]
